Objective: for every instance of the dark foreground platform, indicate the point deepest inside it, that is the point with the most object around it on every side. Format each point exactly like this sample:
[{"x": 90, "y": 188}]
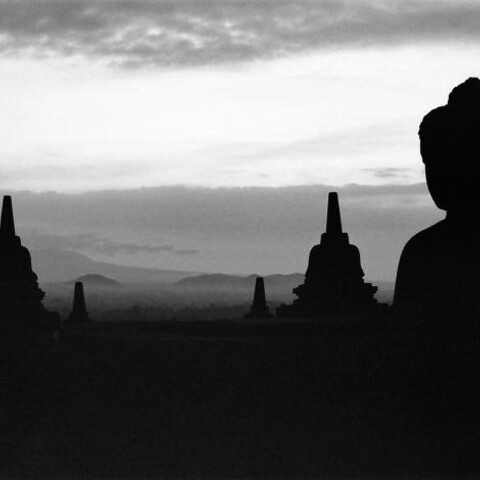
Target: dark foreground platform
[{"x": 229, "y": 400}]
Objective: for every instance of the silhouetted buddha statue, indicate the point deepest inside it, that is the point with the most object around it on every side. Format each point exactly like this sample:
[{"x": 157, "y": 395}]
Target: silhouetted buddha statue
[
  {"x": 259, "y": 307},
  {"x": 21, "y": 308},
  {"x": 438, "y": 276},
  {"x": 334, "y": 284}
]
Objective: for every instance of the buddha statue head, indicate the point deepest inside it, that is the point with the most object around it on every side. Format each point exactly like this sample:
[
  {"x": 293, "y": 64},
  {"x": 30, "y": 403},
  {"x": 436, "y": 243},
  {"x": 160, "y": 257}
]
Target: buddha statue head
[{"x": 450, "y": 149}]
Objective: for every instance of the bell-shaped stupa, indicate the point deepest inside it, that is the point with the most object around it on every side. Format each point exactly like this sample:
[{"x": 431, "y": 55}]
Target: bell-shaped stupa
[
  {"x": 21, "y": 308},
  {"x": 79, "y": 312},
  {"x": 334, "y": 284},
  {"x": 259, "y": 307}
]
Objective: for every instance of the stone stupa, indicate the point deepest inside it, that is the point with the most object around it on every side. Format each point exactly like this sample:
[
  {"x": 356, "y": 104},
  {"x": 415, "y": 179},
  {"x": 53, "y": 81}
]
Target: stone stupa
[
  {"x": 79, "y": 312},
  {"x": 334, "y": 285},
  {"x": 259, "y": 307},
  {"x": 21, "y": 308}
]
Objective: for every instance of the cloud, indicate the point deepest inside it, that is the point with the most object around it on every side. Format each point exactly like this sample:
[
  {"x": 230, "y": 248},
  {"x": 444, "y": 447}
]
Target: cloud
[
  {"x": 94, "y": 245},
  {"x": 135, "y": 33},
  {"x": 111, "y": 248},
  {"x": 389, "y": 172}
]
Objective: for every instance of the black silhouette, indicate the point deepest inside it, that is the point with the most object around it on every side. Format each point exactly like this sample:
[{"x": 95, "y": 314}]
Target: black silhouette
[
  {"x": 438, "y": 276},
  {"x": 79, "y": 312},
  {"x": 334, "y": 284},
  {"x": 259, "y": 307},
  {"x": 21, "y": 308}
]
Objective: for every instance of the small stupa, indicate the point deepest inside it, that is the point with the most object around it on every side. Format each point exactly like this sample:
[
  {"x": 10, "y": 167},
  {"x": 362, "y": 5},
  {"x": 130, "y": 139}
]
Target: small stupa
[
  {"x": 334, "y": 284},
  {"x": 259, "y": 307},
  {"x": 79, "y": 312},
  {"x": 21, "y": 308}
]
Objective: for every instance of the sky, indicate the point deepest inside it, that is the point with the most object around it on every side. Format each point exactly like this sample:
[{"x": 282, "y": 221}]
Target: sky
[{"x": 143, "y": 96}]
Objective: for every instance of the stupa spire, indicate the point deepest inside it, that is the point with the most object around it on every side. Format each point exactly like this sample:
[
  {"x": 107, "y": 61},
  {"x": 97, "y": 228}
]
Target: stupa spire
[
  {"x": 334, "y": 221},
  {"x": 259, "y": 307},
  {"x": 79, "y": 307},
  {"x": 259, "y": 295},
  {"x": 7, "y": 225},
  {"x": 22, "y": 314}
]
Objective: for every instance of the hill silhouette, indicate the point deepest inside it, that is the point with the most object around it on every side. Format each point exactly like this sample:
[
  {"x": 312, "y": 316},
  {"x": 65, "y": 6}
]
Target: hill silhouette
[
  {"x": 63, "y": 265},
  {"x": 97, "y": 280}
]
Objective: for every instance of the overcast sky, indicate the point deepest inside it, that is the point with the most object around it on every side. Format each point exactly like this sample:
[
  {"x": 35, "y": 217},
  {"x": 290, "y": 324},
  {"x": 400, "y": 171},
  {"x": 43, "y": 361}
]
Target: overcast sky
[{"x": 128, "y": 94}]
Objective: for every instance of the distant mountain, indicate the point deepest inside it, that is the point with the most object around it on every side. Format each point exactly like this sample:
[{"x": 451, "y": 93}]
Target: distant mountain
[
  {"x": 217, "y": 281},
  {"x": 62, "y": 265},
  {"x": 279, "y": 286},
  {"x": 97, "y": 280},
  {"x": 59, "y": 267}
]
